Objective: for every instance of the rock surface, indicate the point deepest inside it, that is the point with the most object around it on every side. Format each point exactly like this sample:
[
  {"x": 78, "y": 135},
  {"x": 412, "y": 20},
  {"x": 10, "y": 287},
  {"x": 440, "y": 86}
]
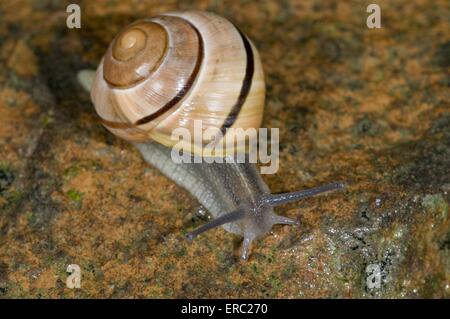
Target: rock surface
[{"x": 367, "y": 106}]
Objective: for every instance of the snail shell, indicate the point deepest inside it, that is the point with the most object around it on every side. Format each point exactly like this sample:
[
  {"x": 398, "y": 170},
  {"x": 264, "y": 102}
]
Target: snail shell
[{"x": 167, "y": 71}]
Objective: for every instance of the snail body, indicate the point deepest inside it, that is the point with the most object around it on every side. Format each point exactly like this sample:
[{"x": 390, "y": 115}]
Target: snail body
[
  {"x": 169, "y": 71},
  {"x": 222, "y": 188}
]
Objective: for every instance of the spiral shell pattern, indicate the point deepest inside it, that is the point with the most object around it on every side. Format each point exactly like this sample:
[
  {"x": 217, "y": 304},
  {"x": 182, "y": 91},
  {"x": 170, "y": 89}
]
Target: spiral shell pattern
[{"x": 168, "y": 71}]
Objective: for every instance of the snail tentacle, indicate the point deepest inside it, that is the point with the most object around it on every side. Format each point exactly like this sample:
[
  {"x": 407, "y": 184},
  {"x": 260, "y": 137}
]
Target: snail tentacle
[
  {"x": 222, "y": 220},
  {"x": 283, "y": 220},
  {"x": 248, "y": 238},
  {"x": 284, "y": 198},
  {"x": 86, "y": 78}
]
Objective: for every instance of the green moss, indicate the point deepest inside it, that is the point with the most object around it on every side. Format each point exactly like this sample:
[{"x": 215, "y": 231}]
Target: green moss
[
  {"x": 75, "y": 195},
  {"x": 289, "y": 271},
  {"x": 71, "y": 172},
  {"x": 31, "y": 217},
  {"x": 6, "y": 176},
  {"x": 437, "y": 204},
  {"x": 13, "y": 197},
  {"x": 275, "y": 284},
  {"x": 47, "y": 119},
  {"x": 433, "y": 284},
  {"x": 255, "y": 269}
]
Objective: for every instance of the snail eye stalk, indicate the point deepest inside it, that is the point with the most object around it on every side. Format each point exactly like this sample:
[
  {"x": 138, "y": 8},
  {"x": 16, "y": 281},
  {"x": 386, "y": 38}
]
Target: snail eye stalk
[{"x": 279, "y": 199}]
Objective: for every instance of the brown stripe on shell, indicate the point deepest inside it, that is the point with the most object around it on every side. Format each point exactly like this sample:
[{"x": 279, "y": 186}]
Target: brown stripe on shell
[
  {"x": 180, "y": 95},
  {"x": 246, "y": 85},
  {"x": 112, "y": 124}
]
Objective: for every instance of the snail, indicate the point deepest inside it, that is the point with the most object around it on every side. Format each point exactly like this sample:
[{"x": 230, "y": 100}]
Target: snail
[{"x": 176, "y": 68}]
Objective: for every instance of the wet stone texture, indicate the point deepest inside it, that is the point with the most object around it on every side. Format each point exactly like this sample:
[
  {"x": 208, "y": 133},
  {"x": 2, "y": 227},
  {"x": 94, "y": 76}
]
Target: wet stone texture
[{"x": 369, "y": 107}]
